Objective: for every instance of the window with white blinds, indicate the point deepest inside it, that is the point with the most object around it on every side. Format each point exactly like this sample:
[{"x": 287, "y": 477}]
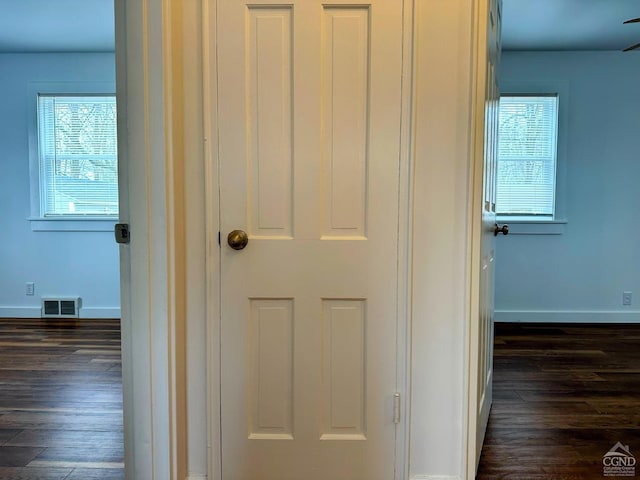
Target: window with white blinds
[
  {"x": 527, "y": 154},
  {"x": 77, "y": 150}
]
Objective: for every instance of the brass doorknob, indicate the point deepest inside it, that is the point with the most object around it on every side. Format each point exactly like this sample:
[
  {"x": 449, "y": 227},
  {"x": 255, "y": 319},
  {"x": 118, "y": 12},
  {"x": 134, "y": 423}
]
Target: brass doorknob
[
  {"x": 504, "y": 229},
  {"x": 237, "y": 239}
]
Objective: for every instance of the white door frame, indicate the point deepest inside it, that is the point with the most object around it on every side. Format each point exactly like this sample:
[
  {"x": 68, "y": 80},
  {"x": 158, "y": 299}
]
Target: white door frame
[
  {"x": 405, "y": 240},
  {"x": 476, "y": 172},
  {"x": 152, "y": 144},
  {"x": 213, "y": 253}
]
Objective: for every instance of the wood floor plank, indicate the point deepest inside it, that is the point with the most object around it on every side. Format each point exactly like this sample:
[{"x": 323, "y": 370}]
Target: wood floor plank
[
  {"x": 82, "y": 453},
  {"x": 19, "y": 473},
  {"x": 75, "y": 464},
  {"x": 536, "y": 408},
  {"x": 93, "y": 474},
  {"x": 17, "y": 456},
  {"x": 8, "y": 434},
  {"x": 563, "y": 396},
  {"x": 61, "y": 400},
  {"x": 68, "y": 438}
]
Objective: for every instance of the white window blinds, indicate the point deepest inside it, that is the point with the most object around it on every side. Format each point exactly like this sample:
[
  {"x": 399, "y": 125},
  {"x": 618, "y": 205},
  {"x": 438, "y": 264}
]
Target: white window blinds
[
  {"x": 78, "y": 155},
  {"x": 527, "y": 152}
]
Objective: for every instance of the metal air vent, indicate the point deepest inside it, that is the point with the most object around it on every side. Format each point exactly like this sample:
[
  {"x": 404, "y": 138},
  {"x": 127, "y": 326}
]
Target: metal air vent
[{"x": 60, "y": 307}]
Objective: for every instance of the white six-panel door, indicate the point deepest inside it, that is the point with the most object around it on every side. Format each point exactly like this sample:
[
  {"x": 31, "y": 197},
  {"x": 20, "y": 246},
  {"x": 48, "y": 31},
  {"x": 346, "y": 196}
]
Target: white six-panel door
[{"x": 309, "y": 111}]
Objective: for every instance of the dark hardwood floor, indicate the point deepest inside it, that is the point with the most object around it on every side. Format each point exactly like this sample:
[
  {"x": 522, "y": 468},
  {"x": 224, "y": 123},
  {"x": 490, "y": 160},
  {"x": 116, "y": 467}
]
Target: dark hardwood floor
[
  {"x": 60, "y": 400},
  {"x": 564, "y": 395}
]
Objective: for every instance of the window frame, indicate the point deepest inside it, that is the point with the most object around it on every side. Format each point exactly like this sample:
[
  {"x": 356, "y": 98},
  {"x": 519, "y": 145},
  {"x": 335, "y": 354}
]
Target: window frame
[
  {"x": 544, "y": 224},
  {"x": 39, "y": 222}
]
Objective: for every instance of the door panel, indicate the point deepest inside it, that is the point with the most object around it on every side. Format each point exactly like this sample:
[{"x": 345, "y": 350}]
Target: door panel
[
  {"x": 309, "y": 114},
  {"x": 487, "y": 267}
]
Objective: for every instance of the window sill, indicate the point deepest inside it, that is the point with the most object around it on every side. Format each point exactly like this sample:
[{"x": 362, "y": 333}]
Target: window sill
[
  {"x": 73, "y": 224},
  {"x": 521, "y": 226}
]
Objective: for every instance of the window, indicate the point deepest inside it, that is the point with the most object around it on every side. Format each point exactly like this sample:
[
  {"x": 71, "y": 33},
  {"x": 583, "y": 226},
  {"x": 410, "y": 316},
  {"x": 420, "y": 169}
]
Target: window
[
  {"x": 527, "y": 156},
  {"x": 77, "y": 155}
]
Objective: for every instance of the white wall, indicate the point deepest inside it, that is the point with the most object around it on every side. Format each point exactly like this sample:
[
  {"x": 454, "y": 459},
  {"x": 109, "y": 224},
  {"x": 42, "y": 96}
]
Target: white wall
[
  {"x": 83, "y": 264},
  {"x": 441, "y": 234},
  {"x": 580, "y": 274}
]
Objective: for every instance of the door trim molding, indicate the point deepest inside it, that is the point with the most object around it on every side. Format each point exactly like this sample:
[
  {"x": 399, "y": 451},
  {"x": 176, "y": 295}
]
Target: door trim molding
[
  {"x": 477, "y": 95},
  {"x": 405, "y": 240},
  {"x": 212, "y": 223},
  {"x": 149, "y": 69}
]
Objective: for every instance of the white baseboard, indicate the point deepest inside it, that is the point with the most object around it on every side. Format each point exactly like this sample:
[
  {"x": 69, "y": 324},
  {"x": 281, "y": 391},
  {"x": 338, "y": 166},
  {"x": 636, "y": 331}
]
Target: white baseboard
[
  {"x": 434, "y": 477},
  {"x": 34, "y": 312},
  {"x": 568, "y": 316},
  {"x": 20, "y": 312},
  {"x": 100, "y": 312},
  {"x": 413, "y": 477}
]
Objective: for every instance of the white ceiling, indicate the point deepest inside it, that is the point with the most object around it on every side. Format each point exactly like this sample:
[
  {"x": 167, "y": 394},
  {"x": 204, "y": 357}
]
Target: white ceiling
[
  {"x": 87, "y": 25},
  {"x": 56, "y": 26},
  {"x": 569, "y": 24}
]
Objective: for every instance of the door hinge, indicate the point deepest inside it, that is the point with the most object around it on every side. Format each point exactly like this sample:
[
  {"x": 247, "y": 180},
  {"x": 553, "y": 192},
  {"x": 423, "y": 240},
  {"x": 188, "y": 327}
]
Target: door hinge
[
  {"x": 122, "y": 233},
  {"x": 219, "y": 241},
  {"x": 396, "y": 408}
]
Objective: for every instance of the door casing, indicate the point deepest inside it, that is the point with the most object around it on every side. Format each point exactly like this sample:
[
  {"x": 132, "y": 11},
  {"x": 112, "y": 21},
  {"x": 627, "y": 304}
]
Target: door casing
[
  {"x": 474, "y": 334},
  {"x": 156, "y": 159}
]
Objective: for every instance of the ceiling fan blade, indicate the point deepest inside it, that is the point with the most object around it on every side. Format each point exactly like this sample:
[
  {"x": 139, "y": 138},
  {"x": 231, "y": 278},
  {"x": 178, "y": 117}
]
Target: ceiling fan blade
[
  {"x": 632, "y": 47},
  {"x": 633, "y": 20}
]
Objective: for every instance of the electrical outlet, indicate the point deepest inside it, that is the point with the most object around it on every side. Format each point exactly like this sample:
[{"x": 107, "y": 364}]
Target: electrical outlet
[
  {"x": 30, "y": 288},
  {"x": 626, "y": 298}
]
